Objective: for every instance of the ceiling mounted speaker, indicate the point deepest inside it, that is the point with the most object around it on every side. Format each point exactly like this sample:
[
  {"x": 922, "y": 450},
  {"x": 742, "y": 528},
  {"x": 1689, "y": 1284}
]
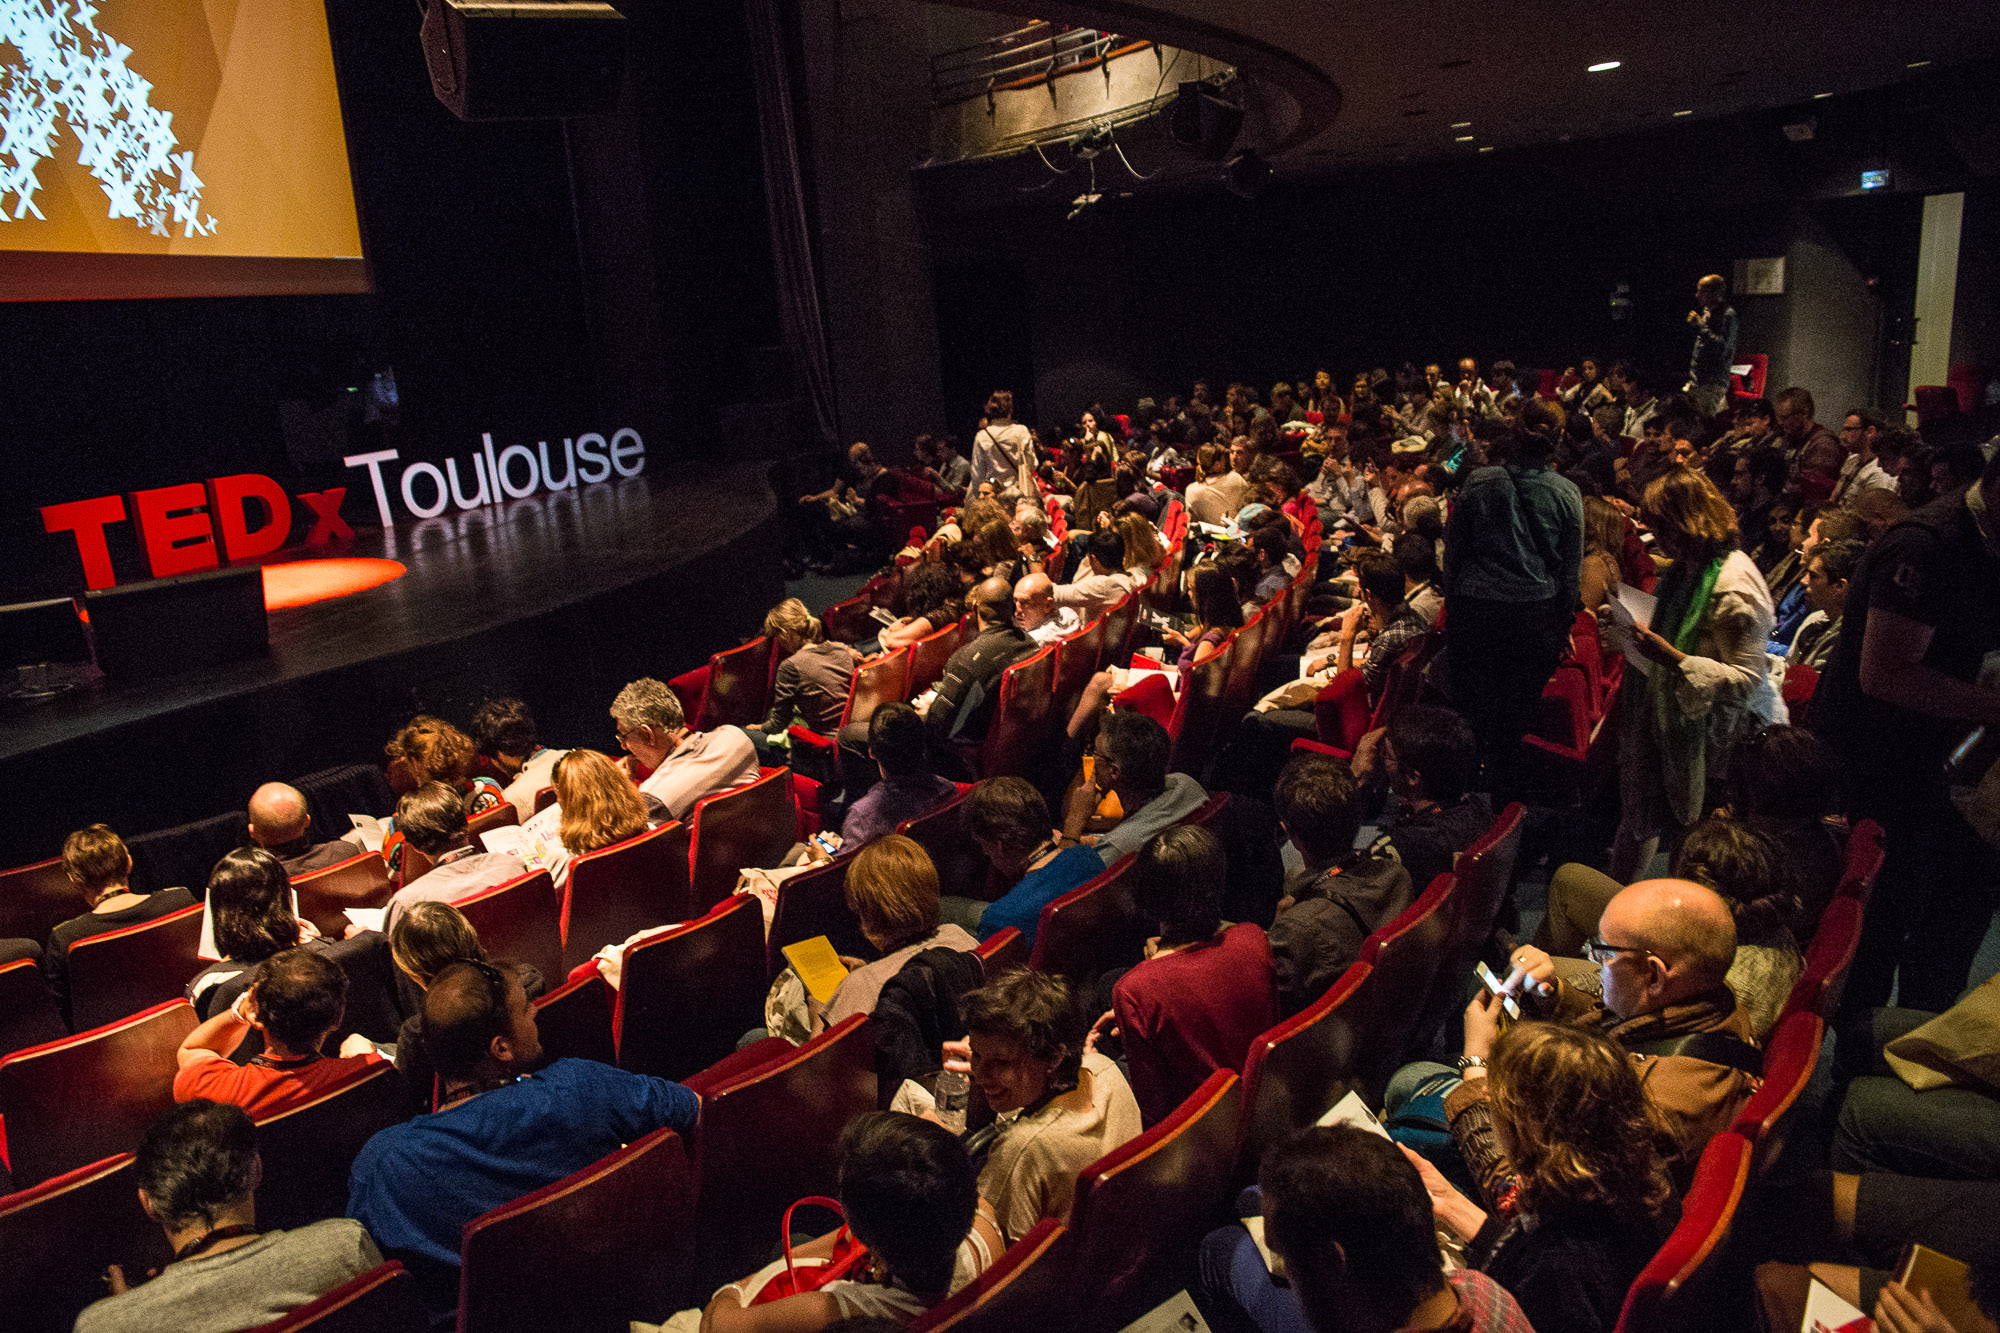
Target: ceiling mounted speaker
[
  {"x": 1203, "y": 121},
  {"x": 524, "y": 59}
]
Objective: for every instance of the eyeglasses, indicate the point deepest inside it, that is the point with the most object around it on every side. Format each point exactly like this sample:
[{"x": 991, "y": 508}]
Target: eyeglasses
[{"x": 1597, "y": 951}]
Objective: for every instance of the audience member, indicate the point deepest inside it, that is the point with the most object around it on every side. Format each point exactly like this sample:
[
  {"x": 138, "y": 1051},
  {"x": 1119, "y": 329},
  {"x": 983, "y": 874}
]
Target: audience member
[
  {"x": 504, "y": 731},
  {"x": 1060, "y": 1106},
  {"x": 1007, "y": 819},
  {"x": 1783, "y": 781},
  {"x": 892, "y": 889},
  {"x": 1036, "y": 613},
  {"x": 432, "y": 819},
  {"x": 931, "y": 594},
  {"x": 1748, "y": 869},
  {"x": 1205, "y": 992},
  {"x": 431, "y": 749},
  {"x": 297, "y": 1002},
  {"x": 1102, "y": 582},
  {"x": 198, "y": 1173},
  {"x": 250, "y": 918},
  {"x": 1429, "y": 760},
  {"x": 969, "y": 691},
  {"x": 504, "y": 1128},
  {"x": 596, "y": 805},
  {"x": 1827, "y": 575},
  {"x": 907, "y": 787},
  {"x": 1812, "y": 450},
  {"x": 673, "y": 765},
  {"x": 281, "y": 825},
  {"x": 1003, "y": 452},
  {"x": 1128, "y": 760},
  {"x": 810, "y": 687},
  {"x": 428, "y": 938},
  {"x": 1208, "y": 499},
  {"x": 96, "y": 861}
]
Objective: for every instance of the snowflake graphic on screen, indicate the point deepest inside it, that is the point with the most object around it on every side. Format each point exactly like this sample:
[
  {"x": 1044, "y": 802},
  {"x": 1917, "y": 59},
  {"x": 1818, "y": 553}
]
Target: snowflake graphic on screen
[{"x": 69, "y": 72}]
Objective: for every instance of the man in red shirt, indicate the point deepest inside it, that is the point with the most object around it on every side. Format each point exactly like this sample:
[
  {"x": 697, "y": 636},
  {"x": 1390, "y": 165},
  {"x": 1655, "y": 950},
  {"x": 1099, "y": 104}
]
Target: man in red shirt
[
  {"x": 1204, "y": 994},
  {"x": 297, "y": 1000}
]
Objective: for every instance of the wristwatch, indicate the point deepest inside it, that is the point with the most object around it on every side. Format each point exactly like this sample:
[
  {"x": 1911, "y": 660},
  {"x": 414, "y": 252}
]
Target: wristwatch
[{"x": 1466, "y": 1062}]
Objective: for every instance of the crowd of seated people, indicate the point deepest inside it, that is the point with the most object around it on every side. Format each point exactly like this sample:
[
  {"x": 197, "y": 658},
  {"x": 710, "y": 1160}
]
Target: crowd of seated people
[{"x": 1446, "y": 551}]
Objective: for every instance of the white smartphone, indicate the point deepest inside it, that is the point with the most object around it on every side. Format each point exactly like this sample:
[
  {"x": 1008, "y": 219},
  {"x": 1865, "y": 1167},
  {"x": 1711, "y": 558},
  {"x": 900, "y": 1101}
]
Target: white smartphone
[{"x": 1507, "y": 1003}]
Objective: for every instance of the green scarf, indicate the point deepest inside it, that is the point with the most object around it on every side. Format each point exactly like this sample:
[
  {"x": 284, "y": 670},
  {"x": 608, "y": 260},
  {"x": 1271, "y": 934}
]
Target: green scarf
[{"x": 1683, "y": 605}]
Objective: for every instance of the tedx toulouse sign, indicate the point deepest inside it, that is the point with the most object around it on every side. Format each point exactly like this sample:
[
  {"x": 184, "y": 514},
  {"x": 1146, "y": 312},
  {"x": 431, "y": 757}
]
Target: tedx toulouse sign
[{"x": 199, "y": 525}]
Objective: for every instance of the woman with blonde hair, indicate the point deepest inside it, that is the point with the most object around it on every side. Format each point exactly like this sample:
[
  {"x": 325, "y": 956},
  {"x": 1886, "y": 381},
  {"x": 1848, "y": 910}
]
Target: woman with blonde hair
[
  {"x": 1711, "y": 680},
  {"x": 811, "y": 683},
  {"x": 1603, "y": 542},
  {"x": 596, "y": 805},
  {"x": 1143, "y": 552},
  {"x": 1571, "y": 1162}
]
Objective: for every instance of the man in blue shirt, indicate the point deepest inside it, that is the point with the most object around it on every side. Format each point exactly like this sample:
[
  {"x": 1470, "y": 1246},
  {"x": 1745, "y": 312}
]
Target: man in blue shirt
[{"x": 501, "y": 1131}]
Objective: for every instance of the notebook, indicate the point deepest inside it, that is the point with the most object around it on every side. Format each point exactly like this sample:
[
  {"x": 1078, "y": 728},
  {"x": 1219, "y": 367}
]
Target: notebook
[{"x": 818, "y": 966}]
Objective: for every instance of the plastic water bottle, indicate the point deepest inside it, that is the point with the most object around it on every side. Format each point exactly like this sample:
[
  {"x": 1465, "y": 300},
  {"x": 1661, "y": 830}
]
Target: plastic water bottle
[{"x": 954, "y": 1088}]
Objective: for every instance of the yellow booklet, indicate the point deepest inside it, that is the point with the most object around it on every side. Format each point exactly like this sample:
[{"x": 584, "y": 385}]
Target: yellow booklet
[
  {"x": 1949, "y": 1283},
  {"x": 818, "y": 966}
]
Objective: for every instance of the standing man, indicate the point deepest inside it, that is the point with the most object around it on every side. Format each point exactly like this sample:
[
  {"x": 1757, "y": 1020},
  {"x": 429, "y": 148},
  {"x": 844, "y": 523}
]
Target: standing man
[{"x": 1713, "y": 320}]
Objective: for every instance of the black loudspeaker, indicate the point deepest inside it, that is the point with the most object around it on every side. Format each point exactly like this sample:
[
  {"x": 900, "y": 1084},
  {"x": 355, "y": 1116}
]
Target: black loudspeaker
[
  {"x": 163, "y": 627},
  {"x": 524, "y": 59},
  {"x": 32, "y": 633},
  {"x": 1200, "y": 119}
]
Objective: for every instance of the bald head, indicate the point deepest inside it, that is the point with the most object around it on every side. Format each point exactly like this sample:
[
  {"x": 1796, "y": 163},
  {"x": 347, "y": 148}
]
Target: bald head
[
  {"x": 1034, "y": 600},
  {"x": 278, "y": 814},
  {"x": 1688, "y": 927},
  {"x": 994, "y": 600}
]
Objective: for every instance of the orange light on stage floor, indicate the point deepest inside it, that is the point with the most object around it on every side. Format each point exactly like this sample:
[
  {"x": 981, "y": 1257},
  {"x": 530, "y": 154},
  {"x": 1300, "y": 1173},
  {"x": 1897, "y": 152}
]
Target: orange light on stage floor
[{"x": 302, "y": 582}]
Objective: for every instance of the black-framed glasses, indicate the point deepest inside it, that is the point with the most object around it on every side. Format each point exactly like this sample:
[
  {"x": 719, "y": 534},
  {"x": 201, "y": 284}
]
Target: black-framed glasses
[{"x": 1597, "y": 951}]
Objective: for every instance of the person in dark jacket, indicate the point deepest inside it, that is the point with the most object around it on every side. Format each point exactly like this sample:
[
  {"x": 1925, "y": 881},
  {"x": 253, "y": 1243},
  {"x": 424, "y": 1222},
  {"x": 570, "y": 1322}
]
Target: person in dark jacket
[
  {"x": 1342, "y": 895},
  {"x": 969, "y": 691},
  {"x": 916, "y": 1013},
  {"x": 1427, "y": 758},
  {"x": 1571, "y": 1160}
]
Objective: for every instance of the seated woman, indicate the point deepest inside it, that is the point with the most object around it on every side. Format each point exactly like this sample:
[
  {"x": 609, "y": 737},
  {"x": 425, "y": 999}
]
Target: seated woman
[
  {"x": 1061, "y": 1106},
  {"x": 1603, "y": 542},
  {"x": 931, "y": 601},
  {"x": 1569, "y": 1155},
  {"x": 429, "y": 937},
  {"x": 910, "y": 1195},
  {"x": 892, "y": 886},
  {"x": 1143, "y": 551},
  {"x": 596, "y": 805},
  {"x": 1204, "y": 993},
  {"x": 811, "y": 683},
  {"x": 430, "y": 749},
  {"x": 1216, "y": 613},
  {"x": 250, "y": 916},
  {"x": 1010, "y": 823},
  {"x": 1784, "y": 782}
]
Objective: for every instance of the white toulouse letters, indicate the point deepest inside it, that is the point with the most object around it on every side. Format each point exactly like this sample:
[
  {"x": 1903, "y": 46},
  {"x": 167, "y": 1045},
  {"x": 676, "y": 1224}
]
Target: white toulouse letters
[{"x": 515, "y": 472}]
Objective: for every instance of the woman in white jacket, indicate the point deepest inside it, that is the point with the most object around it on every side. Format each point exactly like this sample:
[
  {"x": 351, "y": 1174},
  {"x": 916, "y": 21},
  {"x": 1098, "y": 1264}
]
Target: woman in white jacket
[{"x": 1003, "y": 452}]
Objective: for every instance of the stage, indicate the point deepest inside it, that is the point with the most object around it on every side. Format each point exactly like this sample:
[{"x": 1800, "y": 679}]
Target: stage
[{"x": 559, "y": 598}]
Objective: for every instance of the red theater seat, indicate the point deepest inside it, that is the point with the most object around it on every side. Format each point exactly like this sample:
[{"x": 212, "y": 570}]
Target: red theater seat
[
  {"x": 751, "y": 825},
  {"x": 1003, "y": 953},
  {"x": 1028, "y": 1287},
  {"x": 591, "y": 1252},
  {"x": 962, "y": 868},
  {"x": 733, "y": 689},
  {"x": 359, "y": 881},
  {"x": 1090, "y": 929},
  {"x": 575, "y": 1020},
  {"x": 1405, "y": 955},
  {"x": 1016, "y": 738},
  {"x": 617, "y": 891},
  {"x": 35, "y": 899},
  {"x": 381, "y": 1300},
  {"x": 1151, "y": 694},
  {"x": 1299, "y": 1069},
  {"x": 1141, "y": 1207},
  {"x": 520, "y": 920},
  {"x": 1078, "y": 656},
  {"x": 1679, "y": 1289},
  {"x": 123, "y": 971},
  {"x": 1828, "y": 959},
  {"x": 814, "y": 902},
  {"x": 884, "y": 678},
  {"x": 768, "y": 1137},
  {"x": 309, "y": 1150},
  {"x": 503, "y": 815},
  {"x": 928, "y": 656},
  {"x": 1340, "y": 712},
  {"x": 1199, "y": 713},
  {"x": 57, "y": 1237},
  {"x": 28, "y": 1013},
  {"x": 1790, "y": 1056},
  {"x": 1865, "y": 848},
  {"x": 686, "y": 996},
  {"x": 1485, "y": 873},
  {"x": 92, "y": 1095}
]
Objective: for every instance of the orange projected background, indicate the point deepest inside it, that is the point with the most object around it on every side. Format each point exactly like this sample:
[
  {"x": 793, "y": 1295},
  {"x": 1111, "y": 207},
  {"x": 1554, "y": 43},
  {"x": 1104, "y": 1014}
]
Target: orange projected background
[{"x": 172, "y": 147}]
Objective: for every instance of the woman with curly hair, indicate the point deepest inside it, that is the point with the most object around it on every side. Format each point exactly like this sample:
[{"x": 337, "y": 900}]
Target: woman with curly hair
[
  {"x": 430, "y": 749},
  {"x": 1570, "y": 1159}
]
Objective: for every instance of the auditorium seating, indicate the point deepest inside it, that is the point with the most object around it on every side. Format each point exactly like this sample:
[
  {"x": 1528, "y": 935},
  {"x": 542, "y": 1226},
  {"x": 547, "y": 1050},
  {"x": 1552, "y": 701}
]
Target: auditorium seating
[
  {"x": 1828, "y": 960},
  {"x": 1090, "y": 929},
  {"x": 35, "y": 899},
  {"x": 1141, "y": 1208},
  {"x": 1199, "y": 713},
  {"x": 1078, "y": 657},
  {"x": 1028, "y": 1287},
  {"x": 928, "y": 656},
  {"x": 884, "y": 678},
  {"x": 384, "y": 1299},
  {"x": 1005, "y": 952},
  {"x": 359, "y": 881},
  {"x": 769, "y": 1136},
  {"x": 1151, "y": 694},
  {"x": 1679, "y": 1289},
  {"x": 1865, "y": 849},
  {"x": 687, "y": 995},
  {"x": 520, "y": 920},
  {"x": 1299, "y": 1069},
  {"x": 1340, "y": 712},
  {"x": 122, "y": 1073},
  {"x": 309, "y": 1150},
  {"x": 734, "y": 689},
  {"x": 123, "y": 971},
  {"x": 28, "y": 1013},
  {"x": 591, "y": 1252},
  {"x": 574, "y": 1020},
  {"x": 503, "y": 815},
  {"x": 1485, "y": 874},
  {"x": 751, "y": 825},
  {"x": 1406, "y": 955},
  {"x": 814, "y": 902},
  {"x": 183, "y": 856},
  {"x": 1016, "y": 738},
  {"x": 617, "y": 891},
  {"x": 1790, "y": 1055},
  {"x": 1121, "y": 624},
  {"x": 962, "y": 868},
  {"x": 57, "y": 1236}
]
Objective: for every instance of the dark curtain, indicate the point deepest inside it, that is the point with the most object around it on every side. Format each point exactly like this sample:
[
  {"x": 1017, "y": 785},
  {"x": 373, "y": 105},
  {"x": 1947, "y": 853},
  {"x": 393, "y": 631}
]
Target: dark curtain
[{"x": 791, "y": 235}]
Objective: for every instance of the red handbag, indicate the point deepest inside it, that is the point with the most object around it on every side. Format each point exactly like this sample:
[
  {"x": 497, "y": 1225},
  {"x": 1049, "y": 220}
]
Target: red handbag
[{"x": 849, "y": 1257}]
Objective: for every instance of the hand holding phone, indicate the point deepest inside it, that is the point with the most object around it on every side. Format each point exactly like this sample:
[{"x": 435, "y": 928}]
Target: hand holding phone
[{"x": 1508, "y": 1004}]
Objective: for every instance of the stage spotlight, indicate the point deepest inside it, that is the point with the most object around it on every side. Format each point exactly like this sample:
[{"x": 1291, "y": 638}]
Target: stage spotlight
[
  {"x": 524, "y": 59},
  {"x": 1093, "y": 141},
  {"x": 1247, "y": 174}
]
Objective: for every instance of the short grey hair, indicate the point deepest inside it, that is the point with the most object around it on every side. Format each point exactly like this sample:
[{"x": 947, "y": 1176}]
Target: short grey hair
[{"x": 648, "y": 703}]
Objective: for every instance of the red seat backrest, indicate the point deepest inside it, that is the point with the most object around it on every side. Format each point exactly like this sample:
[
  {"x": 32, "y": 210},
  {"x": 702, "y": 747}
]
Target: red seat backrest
[
  {"x": 849, "y": 621},
  {"x": 309, "y": 1150},
  {"x": 814, "y": 902},
  {"x": 1299, "y": 1069},
  {"x": 89, "y": 1096},
  {"x": 962, "y": 868},
  {"x": 1568, "y": 713},
  {"x": 599, "y": 1246},
  {"x": 1672, "y": 1291},
  {"x": 574, "y": 1020},
  {"x": 1005, "y": 952},
  {"x": 617, "y": 891},
  {"x": 522, "y": 920},
  {"x": 751, "y": 825},
  {"x": 57, "y": 1237},
  {"x": 686, "y": 996},
  {"x": 35, "y": 899},
  {"x": 1016, "y": 737},
  {"x": 739, "y": 686},
  {"x": 1790, "y": 1055},
  {"x": 1405, "y": 954},
  {"x": 1484, "y": 872},
  {"x": 1027, "y": 1287},
  {"x": 1246, "y": 654},
  {"x": 1340, "y": 711},
  {"x": 1078, "y": 657},
  {"x": 1199, "y": 712},
  {"x": 1829, "y": 957},
  {"x": 768, "y": 1137},
  {"x": 1090, "y": 929},
  {"x": 1150, "y": 694},
  {"x": 1144, "y": 1204},
  {"x": 1121, "y": 622},
  {"x": 134, "y": 967},
  {"x": 28, "y": 1013},
  {"x": 881, "y": 679},
  {"x": 928, "y": 656},
  {"x": 1801, "y": 681},
  {"x": 1865, "y": 848},
  {"x": 382, "y": 1300},
  {"x": 503, "y": 815},
  {"x": 359, "y": 881}
]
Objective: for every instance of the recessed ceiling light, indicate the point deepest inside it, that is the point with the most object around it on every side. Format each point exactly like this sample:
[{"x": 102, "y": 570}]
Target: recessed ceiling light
[
  {"x": 1821, "y": 97},
  {"x": 1462, "y": 138},
  {"x": 1683, "y": 113},
  {"x": 1486, "y": 148},
  {"x": 1603, "y": 66},
  {"x": 1916, "y": 64},
  {"x": 1461, "y": 124}
]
